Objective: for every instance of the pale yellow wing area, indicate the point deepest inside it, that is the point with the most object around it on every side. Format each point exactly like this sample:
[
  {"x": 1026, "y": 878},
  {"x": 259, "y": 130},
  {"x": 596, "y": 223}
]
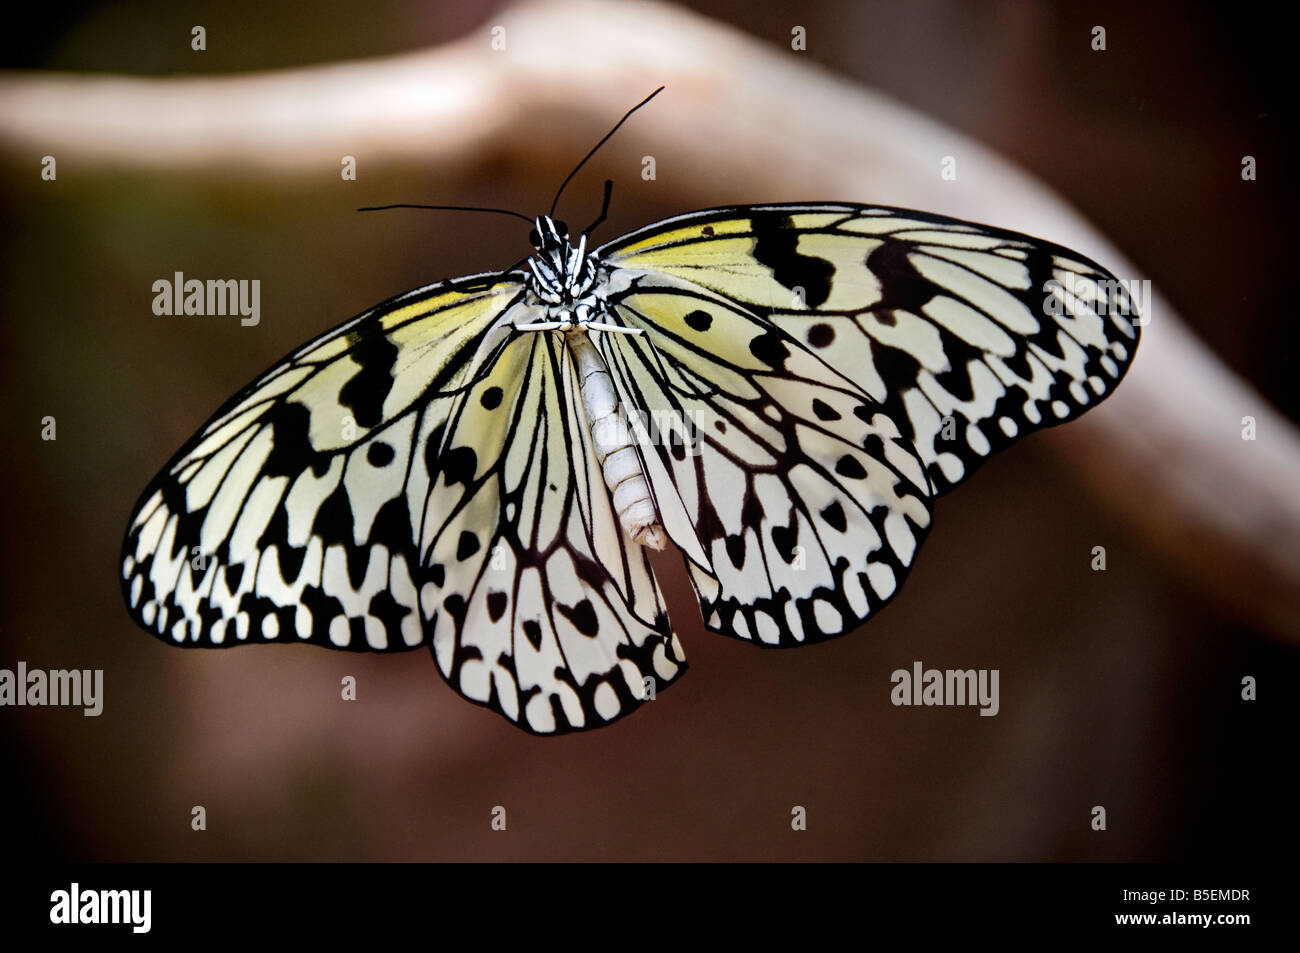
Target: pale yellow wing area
[
  {"x": 293, "y": 514},
  {"x": 969, "y": 336}
]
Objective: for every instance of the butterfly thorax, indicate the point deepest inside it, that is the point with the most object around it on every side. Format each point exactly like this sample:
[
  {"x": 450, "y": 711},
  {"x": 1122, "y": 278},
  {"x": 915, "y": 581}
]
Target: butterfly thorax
[{"x": 563, "y": 277}]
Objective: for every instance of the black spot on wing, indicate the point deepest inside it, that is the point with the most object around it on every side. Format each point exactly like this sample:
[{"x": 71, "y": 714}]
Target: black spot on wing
[
  {"x": 491, "y": 398},
  {"x": 358, "y": 561},
  {"x": 533, "y": 633},
  {"x": 875, "y": 447},
  {"x": 291, "y": 561},
  {"x": 291, "y": 449},
  {"x": 456, "y": 608},
  {"x": 583, "y": 617},
  {"x": 365, "y": 392},
  {"x": 823, "y": 410},
  {"x": 699, "y": 320},
  {"x": 956, "y": 380},
  {"x": 834, "y": 517},
  {"x": 849, "y": 467},
  {"x": 736, "y": 550},
  {"x": 902, "y": 286},
  {"x": 209, "y": 616},
  {"x": 896, "y": 366},
  {"x": 900, "y": 372},
  {"x": 784, "y": 539},
  {"x": 379, "y": 454},
  {"x": 496, "y": 604},
  {"x": 458, "y": 465},
  {"x": 432, "y": 448},
  {"x": 1018, "y": 363},
  {"x": 391, "y": 613},
  {"x": 589, "y": 571},
  {"x": 334, "y": 525},
  {"x": 467, "y": 545},
  {"x": 334, "y": 522},
  {"x": 821, "y": 335},
  {"x": 776, "y": 245},
  {"x": 323, "y": 610},
  {"x": 275, "y": 536},
  {"x": 770, "y": 349},
  {"x": 392, "y": 526}
]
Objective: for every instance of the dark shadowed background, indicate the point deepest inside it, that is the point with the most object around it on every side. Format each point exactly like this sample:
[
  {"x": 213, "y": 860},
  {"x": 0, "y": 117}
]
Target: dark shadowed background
[{"x": 1119, "y": 689}]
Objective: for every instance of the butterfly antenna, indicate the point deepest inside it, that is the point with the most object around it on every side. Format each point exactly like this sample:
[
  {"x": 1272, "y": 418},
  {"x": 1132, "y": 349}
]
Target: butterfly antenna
[
  {"x": 625, "y": 118},
  {"x": 604, "y": 208},
  {"x": 448, "y": 208}
]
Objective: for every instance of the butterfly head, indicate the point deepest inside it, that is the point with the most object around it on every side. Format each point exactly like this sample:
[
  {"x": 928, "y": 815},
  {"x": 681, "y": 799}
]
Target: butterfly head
[
  {"x": 549, "y": 235},
  {"x": 563, "y": 274}
]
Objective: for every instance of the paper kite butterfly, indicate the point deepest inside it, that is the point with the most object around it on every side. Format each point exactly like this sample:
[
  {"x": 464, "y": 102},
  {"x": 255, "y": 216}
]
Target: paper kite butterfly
[{"x": 480, "y": 465}]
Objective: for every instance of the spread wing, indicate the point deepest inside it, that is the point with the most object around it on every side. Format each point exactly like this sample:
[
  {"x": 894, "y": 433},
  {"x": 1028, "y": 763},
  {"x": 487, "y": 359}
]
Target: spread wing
[
  {"x": 797, "y": 503},
  {"x": 419, "y": 475},
  {"x": 969, "y": 337}
]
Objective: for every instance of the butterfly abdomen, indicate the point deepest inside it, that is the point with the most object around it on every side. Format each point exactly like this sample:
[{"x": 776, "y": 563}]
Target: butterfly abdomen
[{"x": 613, "y": 445}]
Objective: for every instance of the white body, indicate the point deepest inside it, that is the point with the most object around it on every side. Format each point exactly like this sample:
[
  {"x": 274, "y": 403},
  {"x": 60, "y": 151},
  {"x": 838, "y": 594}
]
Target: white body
[{"x": 612, "y": 442}]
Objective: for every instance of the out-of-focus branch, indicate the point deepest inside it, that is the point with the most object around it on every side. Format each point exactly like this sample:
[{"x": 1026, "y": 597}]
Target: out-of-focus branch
[{"x": 754, "y": 123}]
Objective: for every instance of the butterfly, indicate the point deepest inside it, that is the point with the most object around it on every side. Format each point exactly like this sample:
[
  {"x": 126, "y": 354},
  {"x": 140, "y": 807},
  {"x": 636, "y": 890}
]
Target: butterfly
[{"x": 481, "y": 466}]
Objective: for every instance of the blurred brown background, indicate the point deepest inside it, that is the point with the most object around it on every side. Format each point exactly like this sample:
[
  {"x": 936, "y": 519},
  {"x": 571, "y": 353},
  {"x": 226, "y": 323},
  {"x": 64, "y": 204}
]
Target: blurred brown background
[{"x": 1118, "y": 688}]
